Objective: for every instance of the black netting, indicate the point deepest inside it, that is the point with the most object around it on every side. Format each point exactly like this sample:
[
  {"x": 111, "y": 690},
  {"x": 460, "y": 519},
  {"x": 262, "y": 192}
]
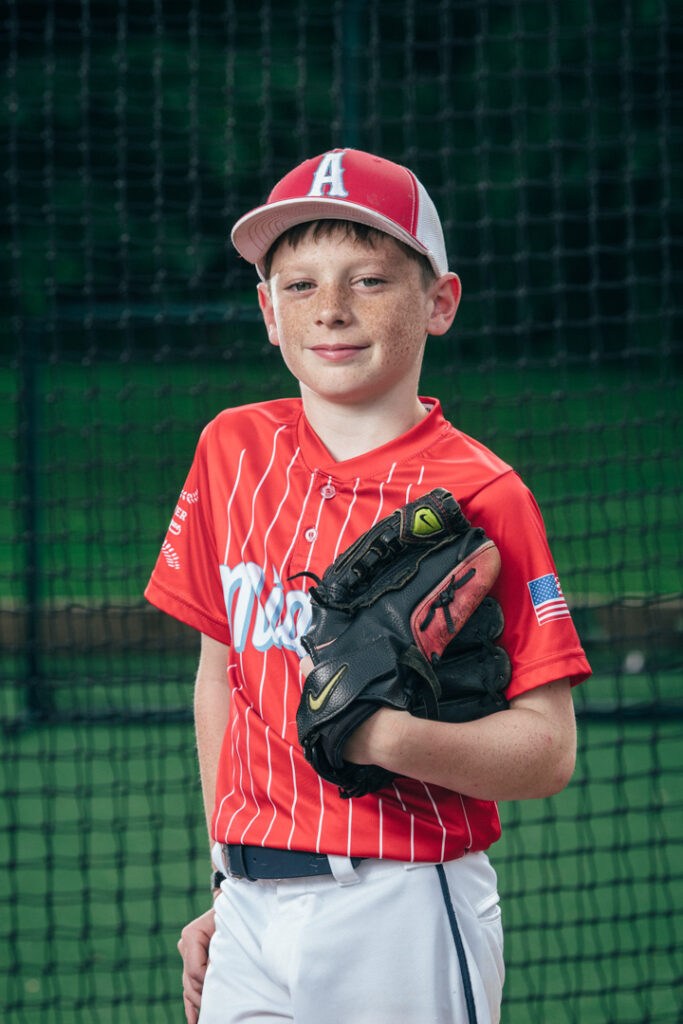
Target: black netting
[{"x": 133, "y": 135}]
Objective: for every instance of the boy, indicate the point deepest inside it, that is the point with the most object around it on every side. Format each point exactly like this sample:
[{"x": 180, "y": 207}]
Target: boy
[{"x": 383, "y": 908}]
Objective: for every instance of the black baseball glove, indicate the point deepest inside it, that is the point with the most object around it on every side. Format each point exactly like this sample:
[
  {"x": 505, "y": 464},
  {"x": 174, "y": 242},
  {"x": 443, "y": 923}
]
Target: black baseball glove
[{"x": 402, "y": 619}]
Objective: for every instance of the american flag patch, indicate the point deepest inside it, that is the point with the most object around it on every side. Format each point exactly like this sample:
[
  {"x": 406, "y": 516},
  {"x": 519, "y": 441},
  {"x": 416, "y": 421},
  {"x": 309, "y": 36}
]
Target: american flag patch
[{"x": 547, "y": 598}]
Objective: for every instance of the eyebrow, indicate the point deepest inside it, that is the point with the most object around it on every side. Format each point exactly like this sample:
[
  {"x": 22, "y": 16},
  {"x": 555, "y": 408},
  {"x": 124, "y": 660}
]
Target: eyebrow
[{"x": 362, "y": 260}]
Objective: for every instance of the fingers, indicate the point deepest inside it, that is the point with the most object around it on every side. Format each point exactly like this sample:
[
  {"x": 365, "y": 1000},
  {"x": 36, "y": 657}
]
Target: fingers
[
  {"x": 193, "y": 947},
  {"x": 192, "y": 996},
  {"x": 191, "y": 1011}
]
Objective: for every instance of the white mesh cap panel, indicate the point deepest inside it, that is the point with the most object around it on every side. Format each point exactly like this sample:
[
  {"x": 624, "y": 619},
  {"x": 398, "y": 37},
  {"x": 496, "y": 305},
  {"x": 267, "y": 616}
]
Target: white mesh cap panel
[{"x": 429, "y": 231}]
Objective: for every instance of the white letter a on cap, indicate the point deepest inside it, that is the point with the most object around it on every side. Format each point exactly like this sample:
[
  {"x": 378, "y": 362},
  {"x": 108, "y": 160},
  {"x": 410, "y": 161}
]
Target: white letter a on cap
[{"x": 329, "y": 172}]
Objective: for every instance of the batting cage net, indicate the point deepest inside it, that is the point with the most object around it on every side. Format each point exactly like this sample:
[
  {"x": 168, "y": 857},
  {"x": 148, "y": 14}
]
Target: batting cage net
[{"x": 134, "y": 135}]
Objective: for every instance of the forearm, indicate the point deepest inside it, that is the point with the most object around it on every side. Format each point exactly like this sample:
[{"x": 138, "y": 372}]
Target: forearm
[
  {"x": 211, "y": 715},
  {"x": 516, "y": 754}
]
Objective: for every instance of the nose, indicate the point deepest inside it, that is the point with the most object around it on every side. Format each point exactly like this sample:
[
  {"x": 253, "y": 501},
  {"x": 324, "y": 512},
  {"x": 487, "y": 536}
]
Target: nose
[{"x": 333, "y": 308}]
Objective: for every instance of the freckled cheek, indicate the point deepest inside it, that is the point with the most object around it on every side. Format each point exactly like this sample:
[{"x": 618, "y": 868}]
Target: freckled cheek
[
  {"x": 288, "y": 324},
  {"x": 404, "y": 342}
]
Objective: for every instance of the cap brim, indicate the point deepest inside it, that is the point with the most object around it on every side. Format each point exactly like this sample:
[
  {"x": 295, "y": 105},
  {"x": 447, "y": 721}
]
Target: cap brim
[{"x": 255, "y": 232}]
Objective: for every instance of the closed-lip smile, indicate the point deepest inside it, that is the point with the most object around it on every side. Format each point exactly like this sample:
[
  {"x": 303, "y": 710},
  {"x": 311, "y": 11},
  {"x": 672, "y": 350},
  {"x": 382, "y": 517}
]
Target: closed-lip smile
[{"x": 337, "y": 352}]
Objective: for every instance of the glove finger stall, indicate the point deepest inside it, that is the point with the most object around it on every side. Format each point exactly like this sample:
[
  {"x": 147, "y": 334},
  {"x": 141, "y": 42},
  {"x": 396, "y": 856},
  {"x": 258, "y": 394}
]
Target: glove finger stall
[
  {"x": 472, "y": 684},
  {"x": 485, "y": 624}
]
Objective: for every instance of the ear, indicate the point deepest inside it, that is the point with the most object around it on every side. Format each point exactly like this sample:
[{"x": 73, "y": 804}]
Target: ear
[
  {"x": 265, "y": 301},
  {"x": 445, "y": 294}
]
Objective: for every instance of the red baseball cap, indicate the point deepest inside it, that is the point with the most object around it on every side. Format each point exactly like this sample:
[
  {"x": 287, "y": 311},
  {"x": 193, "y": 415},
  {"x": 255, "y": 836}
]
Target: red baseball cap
[{"x": 346, "y": 184}]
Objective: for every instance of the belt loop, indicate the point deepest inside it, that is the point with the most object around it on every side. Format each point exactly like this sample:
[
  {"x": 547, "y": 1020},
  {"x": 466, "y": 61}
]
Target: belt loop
[
  {"x": 235, "y": 861},
  {"x": 238, "y": 854},
  {"x": 343, "y": 869}
]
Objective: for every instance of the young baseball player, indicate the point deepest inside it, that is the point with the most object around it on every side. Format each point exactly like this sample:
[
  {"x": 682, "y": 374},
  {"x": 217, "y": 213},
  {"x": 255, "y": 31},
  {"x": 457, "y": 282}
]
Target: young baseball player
[{"x": 381, "y": 909}]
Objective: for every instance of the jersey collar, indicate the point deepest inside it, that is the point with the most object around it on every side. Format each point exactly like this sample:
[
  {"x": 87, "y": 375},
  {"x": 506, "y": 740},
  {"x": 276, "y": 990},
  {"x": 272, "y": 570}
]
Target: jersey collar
[{"x": 378, "y": 462}]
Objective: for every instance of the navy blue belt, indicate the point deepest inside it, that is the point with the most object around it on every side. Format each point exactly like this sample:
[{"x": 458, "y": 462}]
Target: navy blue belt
[{"x": 254, "y": 862}]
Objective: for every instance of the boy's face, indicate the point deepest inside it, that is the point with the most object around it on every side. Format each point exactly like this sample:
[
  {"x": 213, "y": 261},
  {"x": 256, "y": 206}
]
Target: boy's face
[{"x": 351, "y": 319}]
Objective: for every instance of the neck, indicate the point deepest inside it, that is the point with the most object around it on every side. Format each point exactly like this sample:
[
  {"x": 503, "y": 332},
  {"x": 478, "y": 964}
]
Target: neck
[{"x": 348, "y": 431}]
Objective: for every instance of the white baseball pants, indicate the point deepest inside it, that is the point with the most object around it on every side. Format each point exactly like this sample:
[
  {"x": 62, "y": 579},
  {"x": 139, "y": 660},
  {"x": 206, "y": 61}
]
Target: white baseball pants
[{"x": 384, "y": 943}]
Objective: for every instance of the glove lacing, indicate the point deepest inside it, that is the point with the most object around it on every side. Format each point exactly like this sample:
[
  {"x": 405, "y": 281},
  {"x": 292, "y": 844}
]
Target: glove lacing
[{"x": 443, "y": 601}]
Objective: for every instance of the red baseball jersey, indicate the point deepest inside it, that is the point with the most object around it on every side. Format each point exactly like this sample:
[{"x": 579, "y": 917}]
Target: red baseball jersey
[{"x": 264, "y": 500}]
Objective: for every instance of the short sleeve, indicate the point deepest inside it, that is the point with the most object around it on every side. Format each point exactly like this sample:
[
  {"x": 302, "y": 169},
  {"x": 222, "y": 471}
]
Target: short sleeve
[
  {"x": 186, "y": 582},
  {"x": 539, "y": 634}
]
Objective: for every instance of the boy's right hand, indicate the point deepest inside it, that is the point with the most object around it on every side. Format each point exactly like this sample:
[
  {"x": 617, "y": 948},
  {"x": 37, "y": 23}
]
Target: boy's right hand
[{"x": 193, "y": 947}]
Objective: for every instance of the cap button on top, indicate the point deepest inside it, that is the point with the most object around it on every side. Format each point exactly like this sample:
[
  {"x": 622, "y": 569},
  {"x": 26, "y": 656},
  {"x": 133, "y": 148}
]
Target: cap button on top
[{"x": 328, "y": 491}]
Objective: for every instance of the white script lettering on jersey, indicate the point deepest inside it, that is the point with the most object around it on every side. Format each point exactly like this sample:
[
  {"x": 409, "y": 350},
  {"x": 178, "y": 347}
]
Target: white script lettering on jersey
[
  {"x": 276, "y": 619},
  {"x": 330, "y": 171}
]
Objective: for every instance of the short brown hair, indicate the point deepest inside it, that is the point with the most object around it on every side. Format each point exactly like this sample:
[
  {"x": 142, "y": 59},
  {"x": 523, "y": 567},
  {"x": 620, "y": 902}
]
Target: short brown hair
[{"x": 351, "y": 229}]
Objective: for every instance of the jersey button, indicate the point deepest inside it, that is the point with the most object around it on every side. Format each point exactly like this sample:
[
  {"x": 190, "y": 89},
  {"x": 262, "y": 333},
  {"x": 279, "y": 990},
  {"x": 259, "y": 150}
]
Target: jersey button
[
  {"x": 311, "y": 534},
  {"x": 328, "y": 491}
]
